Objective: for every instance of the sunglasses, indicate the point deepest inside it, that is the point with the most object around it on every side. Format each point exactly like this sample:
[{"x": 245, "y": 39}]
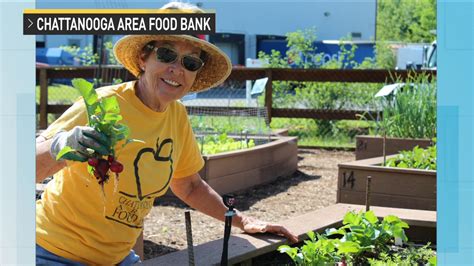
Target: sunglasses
[{"x": 169, "y": 56}]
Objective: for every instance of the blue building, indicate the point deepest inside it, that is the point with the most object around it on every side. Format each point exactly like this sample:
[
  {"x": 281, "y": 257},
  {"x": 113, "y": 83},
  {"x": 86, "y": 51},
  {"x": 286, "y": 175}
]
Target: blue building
[{"x": 244, "y": 28}]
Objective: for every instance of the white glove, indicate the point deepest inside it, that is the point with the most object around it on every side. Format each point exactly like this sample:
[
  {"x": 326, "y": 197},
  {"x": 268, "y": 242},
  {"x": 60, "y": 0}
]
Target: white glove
[{"x": 80, "y": 139}]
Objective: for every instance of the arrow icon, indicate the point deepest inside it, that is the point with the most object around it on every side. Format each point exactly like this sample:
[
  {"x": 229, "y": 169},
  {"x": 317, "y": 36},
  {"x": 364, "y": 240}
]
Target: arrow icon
[{"x": 31, "y": 22}]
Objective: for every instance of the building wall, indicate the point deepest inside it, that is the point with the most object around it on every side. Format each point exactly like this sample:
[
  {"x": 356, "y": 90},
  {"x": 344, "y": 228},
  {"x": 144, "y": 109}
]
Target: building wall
[{"x": 333, "y": 19}]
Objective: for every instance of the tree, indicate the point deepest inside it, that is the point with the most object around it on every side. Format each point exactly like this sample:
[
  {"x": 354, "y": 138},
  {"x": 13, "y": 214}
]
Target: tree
[{"x": 406, "y": 20}]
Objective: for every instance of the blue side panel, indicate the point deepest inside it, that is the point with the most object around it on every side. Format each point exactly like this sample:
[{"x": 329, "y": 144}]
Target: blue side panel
[
  {"x": 330, "y": 50},
  {"x": 268, "y": 45}
]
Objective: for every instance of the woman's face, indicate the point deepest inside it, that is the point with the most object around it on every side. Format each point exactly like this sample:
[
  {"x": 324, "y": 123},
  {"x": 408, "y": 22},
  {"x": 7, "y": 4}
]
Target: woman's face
[{"x": 167, "y": 82}]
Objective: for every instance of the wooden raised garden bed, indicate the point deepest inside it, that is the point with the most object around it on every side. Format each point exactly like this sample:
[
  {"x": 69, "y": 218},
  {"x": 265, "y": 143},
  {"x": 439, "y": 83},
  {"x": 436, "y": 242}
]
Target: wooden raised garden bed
[
  {"x": 390, "y": 187},
  {"x": 245, "y": 249},
  {"x": 241, "y": 169},
  {"x": 372, "y": 146}
]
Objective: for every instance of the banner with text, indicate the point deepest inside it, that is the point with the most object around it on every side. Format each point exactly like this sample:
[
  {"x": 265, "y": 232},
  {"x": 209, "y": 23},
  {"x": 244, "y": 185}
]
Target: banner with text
[{"x": 36, "y": 22}]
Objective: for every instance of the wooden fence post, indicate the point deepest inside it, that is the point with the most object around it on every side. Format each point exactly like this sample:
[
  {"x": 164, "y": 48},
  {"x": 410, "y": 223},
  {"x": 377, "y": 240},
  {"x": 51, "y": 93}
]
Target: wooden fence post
[
  {"x": 268, "y": 94},
  {"x": 43, "y": 104}
]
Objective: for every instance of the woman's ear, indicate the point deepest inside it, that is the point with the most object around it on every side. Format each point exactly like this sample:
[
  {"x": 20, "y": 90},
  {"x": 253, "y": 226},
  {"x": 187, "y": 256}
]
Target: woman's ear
[{"x": 141, "y": 63}]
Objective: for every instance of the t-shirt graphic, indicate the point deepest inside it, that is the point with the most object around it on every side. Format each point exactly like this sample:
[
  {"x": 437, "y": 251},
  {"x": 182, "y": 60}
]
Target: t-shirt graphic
[{"x": 133, "y": 205}]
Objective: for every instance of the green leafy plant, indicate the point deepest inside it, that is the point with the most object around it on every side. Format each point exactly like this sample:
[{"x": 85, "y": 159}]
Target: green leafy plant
[
  {"x": 411, "y": 112},
  {"x": 87, "y": 57},
  {"x": 411, "y": 255},
  {"x": 362, "y": 239},
  {"x": 319, "y": 95},
  {"x": 230, "y": 125},
  {"x": 318, "y": 250},
  {"x": 418, "y": 158},
  {"x": 213, "y": 144},
  {"x": 84, "y": 56},
  {"x": 103, "y": 114}
]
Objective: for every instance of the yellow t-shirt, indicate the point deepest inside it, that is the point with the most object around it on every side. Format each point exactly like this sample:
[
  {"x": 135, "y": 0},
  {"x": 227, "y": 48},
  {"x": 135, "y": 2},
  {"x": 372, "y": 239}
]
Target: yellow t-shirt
[{"x": 75, "y": 220}]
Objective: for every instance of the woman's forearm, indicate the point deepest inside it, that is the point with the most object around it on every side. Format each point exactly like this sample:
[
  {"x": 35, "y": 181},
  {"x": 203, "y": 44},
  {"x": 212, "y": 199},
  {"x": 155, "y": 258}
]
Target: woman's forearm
[
  {"x": 45, "y": 164},
  {"x": 200, "y": 196}
]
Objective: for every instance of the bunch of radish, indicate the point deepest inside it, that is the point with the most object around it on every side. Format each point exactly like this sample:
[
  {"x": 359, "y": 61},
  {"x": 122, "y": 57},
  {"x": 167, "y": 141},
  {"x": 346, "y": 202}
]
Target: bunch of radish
[
  {"x": 103, "y": 115},
  {"x": 102, "y": 166}
]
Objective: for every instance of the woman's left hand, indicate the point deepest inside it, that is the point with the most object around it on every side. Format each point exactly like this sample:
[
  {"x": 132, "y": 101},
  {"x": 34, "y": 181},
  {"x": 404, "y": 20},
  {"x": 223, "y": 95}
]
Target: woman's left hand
[{"x": 252, "y": 226}]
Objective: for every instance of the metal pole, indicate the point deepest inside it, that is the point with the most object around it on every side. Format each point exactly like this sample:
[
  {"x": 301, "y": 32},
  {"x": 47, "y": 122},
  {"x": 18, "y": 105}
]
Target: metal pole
[
  {"x": 189, "y": 237},
  {"x": 367, "y": 193},
  {"x": 229, "y": 202}
]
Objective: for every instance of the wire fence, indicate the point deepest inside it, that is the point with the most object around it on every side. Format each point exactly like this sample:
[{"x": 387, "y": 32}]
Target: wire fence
[{"x": 321, "y": 107}]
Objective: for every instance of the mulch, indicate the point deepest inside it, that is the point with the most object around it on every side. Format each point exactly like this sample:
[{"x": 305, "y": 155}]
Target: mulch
[{"x": 311, "y": 187}]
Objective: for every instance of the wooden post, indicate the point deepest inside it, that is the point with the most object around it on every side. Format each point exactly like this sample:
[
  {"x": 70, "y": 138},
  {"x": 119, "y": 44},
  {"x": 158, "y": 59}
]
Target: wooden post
[
  {"x": 43, "y": 104},
  {"x": 268, "y": 94},
  {"x": 367, "y": 193},
  {"x": 189, "y": 238}
]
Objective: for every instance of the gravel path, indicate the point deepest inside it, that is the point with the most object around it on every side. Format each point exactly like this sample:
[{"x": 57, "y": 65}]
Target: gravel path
[{"x": 312, "y": 187}]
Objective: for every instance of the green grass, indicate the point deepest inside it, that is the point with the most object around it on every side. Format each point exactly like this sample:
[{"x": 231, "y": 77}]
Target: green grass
[
  {"x": 340, "y": 135},
  {"x": 305, "y": 129},
  {"x": 59, "y": 94},
  {"x": 327, "y": 142},
  {"x": 229, "y": 124}
]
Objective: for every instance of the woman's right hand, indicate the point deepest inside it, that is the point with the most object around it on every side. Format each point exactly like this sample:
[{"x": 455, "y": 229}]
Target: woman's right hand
[{"x": 83, "y": 140}]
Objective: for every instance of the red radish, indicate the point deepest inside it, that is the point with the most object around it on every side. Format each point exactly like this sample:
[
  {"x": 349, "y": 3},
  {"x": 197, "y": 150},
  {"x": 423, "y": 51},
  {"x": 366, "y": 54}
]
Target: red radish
[
  {"x": 102, "y": 169},
  {"x": 93, "y": 162},
  {"x": 96, "y": 174},
  {"x": 116, "y": 167}
]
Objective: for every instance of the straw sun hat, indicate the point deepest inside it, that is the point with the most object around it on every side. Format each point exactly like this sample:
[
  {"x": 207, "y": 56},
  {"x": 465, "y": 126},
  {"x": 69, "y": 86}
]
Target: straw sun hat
[{"x": 216, "y": 69}]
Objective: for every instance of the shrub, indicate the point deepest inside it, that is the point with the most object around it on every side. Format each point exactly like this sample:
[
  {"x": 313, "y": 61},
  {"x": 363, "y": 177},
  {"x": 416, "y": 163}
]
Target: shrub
[
  {"x": 418, "y": 158},
  {"x": 411, "y": 113},
  {"x": 362, "y": 240}
]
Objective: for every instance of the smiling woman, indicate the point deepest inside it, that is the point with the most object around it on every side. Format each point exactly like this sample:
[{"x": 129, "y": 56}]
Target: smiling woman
[
  {"x": 79, "y": 222},
  {"x": 164, "y": 78}
]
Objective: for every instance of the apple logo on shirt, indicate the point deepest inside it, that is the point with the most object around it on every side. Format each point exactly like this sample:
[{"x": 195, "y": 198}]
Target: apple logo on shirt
[{"x": 159, "y": 162}]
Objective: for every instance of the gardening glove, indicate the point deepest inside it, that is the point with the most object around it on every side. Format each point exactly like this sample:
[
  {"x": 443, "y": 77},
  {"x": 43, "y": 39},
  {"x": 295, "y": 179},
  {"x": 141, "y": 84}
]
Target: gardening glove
[
  {"x": 252, "y": 226},
  {"x": 80, "y": 139}
]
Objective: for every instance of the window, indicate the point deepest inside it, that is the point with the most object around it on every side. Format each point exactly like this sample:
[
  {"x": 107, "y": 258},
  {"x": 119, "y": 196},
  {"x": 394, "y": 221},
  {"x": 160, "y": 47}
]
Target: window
[
  {"x": 74, "y": 42},
  {"x": 356, "y": 35}
]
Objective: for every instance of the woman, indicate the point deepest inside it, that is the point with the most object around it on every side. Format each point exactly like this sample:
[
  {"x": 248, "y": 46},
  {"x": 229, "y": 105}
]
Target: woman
[{"x": 79, "y": 224}]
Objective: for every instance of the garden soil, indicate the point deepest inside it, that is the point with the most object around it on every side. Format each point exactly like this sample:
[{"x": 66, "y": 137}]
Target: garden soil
[{"x": 311, "y": 188}]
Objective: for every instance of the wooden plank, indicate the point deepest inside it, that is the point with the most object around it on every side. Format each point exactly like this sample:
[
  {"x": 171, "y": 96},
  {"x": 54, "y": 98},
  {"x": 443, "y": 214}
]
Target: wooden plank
[
  {"x": 375, "y": 163},
  {"x": 322, "y": 114},
  {"x": 269, "y": 95},
  {"x": 225, "y": 111},
  {"x": 316, "y": 75},
  {"x": 43, "y": 116},
  {"x": 243, "y": 247},
  {"x": 275, "y": 141},
  {"x": 393, "y": 183},
  {"x": 372, "y": 146},
  {"x": 387, "y": 200},
  {"x": 247, "y": 159},
  {"x": 346, "y": 75},
  {"x": 239, "y": 73},
  {"x": 58, "y": 108},
  {"x": 69, "y": 73},
  {"x": 257, "y": 176}
]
